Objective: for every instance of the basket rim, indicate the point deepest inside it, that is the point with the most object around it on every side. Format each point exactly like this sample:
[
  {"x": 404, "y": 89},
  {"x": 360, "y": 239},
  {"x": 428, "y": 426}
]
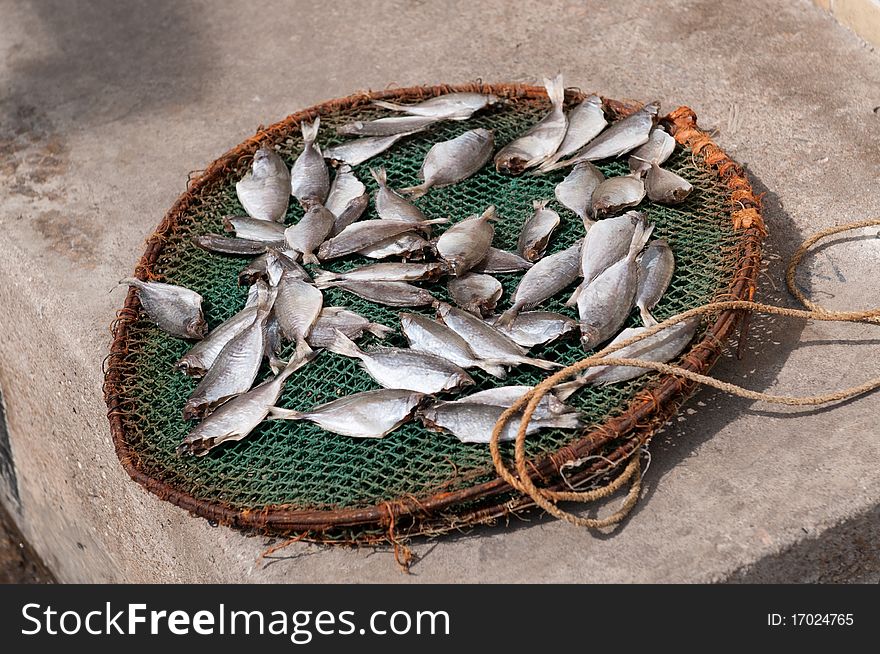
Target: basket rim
[{"x": 649, "y": 409}]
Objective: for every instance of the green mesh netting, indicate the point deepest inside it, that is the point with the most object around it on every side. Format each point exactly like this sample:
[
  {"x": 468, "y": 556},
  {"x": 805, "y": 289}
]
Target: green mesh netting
[{"x": 304, "y": 467}]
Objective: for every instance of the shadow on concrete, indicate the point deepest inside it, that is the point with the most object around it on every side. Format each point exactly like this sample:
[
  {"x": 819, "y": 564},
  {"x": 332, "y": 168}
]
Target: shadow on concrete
[{"x": 104, "y": 60}]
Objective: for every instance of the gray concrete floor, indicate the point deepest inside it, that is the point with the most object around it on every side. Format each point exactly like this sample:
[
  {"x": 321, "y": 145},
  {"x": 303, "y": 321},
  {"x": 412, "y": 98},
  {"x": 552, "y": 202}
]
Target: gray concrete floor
[{"x": 106, "y": 108}]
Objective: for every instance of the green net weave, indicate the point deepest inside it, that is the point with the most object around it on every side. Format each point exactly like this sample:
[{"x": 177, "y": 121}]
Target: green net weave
[{"x": 301, "y": 466}]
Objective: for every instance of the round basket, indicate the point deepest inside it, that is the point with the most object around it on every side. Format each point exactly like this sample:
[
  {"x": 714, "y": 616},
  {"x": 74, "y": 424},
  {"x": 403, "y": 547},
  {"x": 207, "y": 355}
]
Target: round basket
[{"x": 294, "y": 477}]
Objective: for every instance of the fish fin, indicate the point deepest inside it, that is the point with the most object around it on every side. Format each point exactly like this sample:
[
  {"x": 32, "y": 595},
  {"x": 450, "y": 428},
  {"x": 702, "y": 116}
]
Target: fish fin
[
  {"x": 277, "y": 365},
  {"x": 310, "y": 130},
  {"x": 537, "y": 205},
  {"x": 573, "y": 300},
  {"x": 280, "y": 413},
  {"x": 543, "y": 364},
  {"x": 648, "y": 320},
  {"x": 379, "y": 331},
  {"x": 567, "y": 389},
  {"x": 343, "y": 345},
  {"x": 416, "y": 191},
  {"x": 380, "y": 175},
  {"x": 555, "y": 90},
  {"x": 393, "y": 106},
  {"x": 510, "y": 315}
]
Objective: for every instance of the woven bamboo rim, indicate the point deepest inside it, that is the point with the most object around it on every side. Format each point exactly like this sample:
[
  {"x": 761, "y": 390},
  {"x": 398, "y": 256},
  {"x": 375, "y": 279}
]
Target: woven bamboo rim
[{"x": 650, "y": 409}]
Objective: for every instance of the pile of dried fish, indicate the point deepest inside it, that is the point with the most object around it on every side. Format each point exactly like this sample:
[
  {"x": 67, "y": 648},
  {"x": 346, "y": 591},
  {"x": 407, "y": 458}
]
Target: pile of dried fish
[{"x": 613, "y": 268}]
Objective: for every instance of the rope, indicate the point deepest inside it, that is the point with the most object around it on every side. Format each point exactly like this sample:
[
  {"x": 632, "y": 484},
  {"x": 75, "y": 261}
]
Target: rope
[{"x": 547, "y": 499}]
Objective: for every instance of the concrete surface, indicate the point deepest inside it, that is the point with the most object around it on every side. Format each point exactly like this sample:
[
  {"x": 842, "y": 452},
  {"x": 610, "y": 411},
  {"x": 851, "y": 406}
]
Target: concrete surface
[{"x": 106, "y": 109}]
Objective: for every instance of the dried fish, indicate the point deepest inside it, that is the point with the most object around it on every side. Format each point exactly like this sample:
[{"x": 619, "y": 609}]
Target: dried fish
[
  {"x": 451, "y": 106},
  {"x": 270, "y": 266},
  {"x": 351, "y": 324},
  {"x": 506, "y": 396},
  {"x": 350, "y": 214},
  {"x": 545, "y": 279},
  {"x": 407, "y": 246},
  {"x": 228, "y": 245},
  {"x": 432, "y": 337},
  {"x": 474, "y": 423},
  {"x": 384, "y": 272},
  {"x": 297, "y": 307},
  {"x": 392, "y": 294},
  {"x": 537, "y": 230},
  {"x": 542, "y": 140},
  {"x": 486, "y": 341},
  {"x": 363, "y": 234},
  {"x": 238, "y": 417},
  {"x": 407, "y": 369},
  {"x": 201, "y": 356},
  {"x": 617, "y": 193},
  {"x": 175, "y": 309},
  {"x": 498, "y": 262},
  {"x": 476, "y": 293},
  {"x": 621, "y": 137},
  {"x": 656, "y": 267},
  {"x": 357, "y": 151},
  {"x": 387, "y": 126},
  {"x": 585, "y": 122},
  {"x": 392, "y": 206},
  {"x": 661, "y": 347},
  {"x": 347, "y": 198},
  {"x": 233, "y": 372},
  {"x": 450, "y": 162},
  {"x": 264, "y": 191},
  {"x": 254, "y": 229},
  {"x": 532, "y": 328},
  {"x": 465, "y": 244},
  {"x": 309, "y": 177},
  {"x": 658, "y": 149},
  {"x": 575, "y": 192},
  {"x": 605, "y": 303},
  {"x": 309, "y": 233},
  {"x": 665, "y": 187},
  {"x": 371, "y": 414}
]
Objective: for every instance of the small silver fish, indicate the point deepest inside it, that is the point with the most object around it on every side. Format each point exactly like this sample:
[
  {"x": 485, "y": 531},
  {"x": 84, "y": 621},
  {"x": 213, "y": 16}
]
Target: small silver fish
[
  {"x": 665, "y": 187},
  {"x": 233, "y": 372},
  {"x": 542, "y": 140},
  {"x": 175, "y": 309},
  {"x": 605, "y": 303},
  {"x": 544, "y": 280},
  {"x": 270, "y": 266},
  {"x": 391, "y": 294},
  {"x": 475, "y": 292},
  {"x": 432, "y": 337},
  {"x": 407, "y": 246},
  {"x": 450, "y": 162},
  {"x": 227, "y": 245},
  {"x": 537, "y": 230},
  {"x": 264, "y": 191},
  {"x": 254, "y": 229},
  {"x": 498, "y": 262},
  {"x": 201, "y": 356},
  {"x": 658, "y": 149},
  {"x": 406, "y": 369},
  {"x": 351, "y": 324},
  {"x": 662, "y": 347},
  {"x": 309, "y": 233},
  {"x": 575, "y": 192},
  {"x": 656, "y": 267},
  {"x": 532, "y": 328},
  {"x": 371, "y": 414},
  {"x": 364, "y": 233},
  {"x": 506, "y": 396},
  {"x": 392, "y": 206},
  {"x": 347, "y": 198},
  {"x": 465, "y": 244},
  {"x": 387, "y": 126},
  {"x": 486, "y": 341},
  {"x": 585, "y": 122},
  {"x": 297, "y": 307},
  {"x": 617, "y": 193},
  {"x": 621, "y": 137},
  {"x": 238, "y": 417},
  {"x": 357, "y": 151},
  {"x": 451, "y": 106},
  {"x": 309, "y": 177},
  {"x": 474, "y": 422},
  {"x": 384, "y": 272}
]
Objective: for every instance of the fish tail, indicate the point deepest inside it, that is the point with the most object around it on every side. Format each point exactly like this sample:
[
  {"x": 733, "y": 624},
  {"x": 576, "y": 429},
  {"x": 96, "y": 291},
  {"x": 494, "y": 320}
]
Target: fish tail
[
  {"x": 565, "y": 421},
  {"x": 379, "y": 331},
  {"x": 325, "y": 278},
  {"x": 380, "y": 175},
  {"x": 300, "y": 358},
  {"x": 310, "y": 130},
  {"x": 280, "y": 413},
  {"x": 491, "y": 367},
  {"x": 567, "y": 389},
  {"x": 343, "y": 345},
  {"x": 303, "y": 349},
  {"x": 491, "y": 213},
  {"x": 132, "y": 281},
  {"x": 432, "y": 221},
  {"x": 309, "y": 257},
  {"x": 640, "y": 238},
  {"x": 537, "y": 205},
  {"x": 648, "y": 320},
  {"x": 543, "y": 364},
  {"x": 393, "y": 106},
  {"x": 573, "y": 300},
  {"x": 555, "y": 90},
  {"x": 416, "y": 191},
  {"x": 510, "y": 315}
]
